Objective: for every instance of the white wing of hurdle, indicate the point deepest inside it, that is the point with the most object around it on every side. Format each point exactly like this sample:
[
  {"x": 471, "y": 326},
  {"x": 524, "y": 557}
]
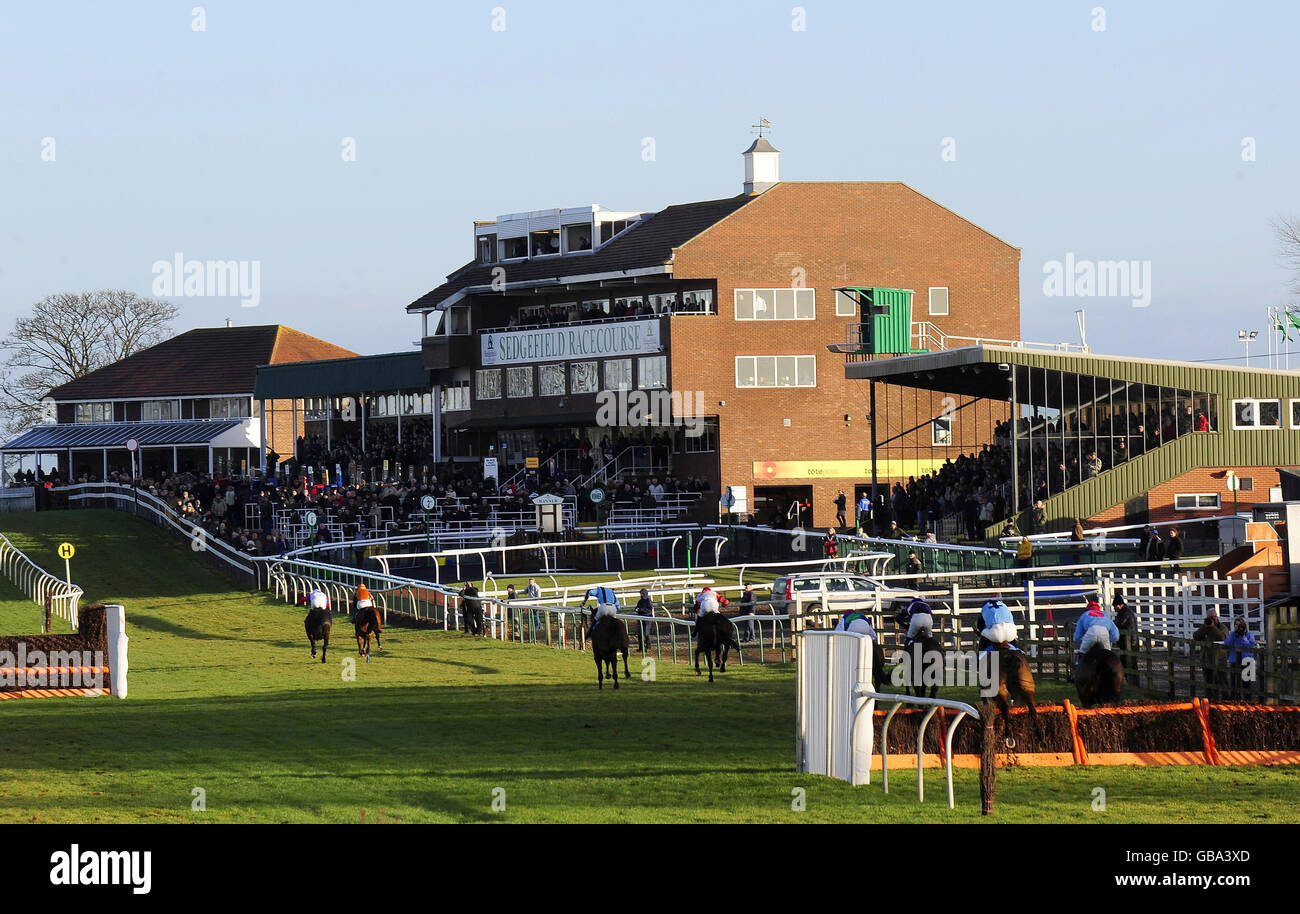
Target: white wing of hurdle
[{"x": 834, "y": 691}]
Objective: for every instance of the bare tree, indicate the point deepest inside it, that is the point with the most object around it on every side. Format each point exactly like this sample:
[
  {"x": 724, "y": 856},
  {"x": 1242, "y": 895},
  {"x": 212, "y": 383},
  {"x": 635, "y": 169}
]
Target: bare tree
[
  {"x": 67, "y": 336},
  {"x": 1288, "y": 236}
]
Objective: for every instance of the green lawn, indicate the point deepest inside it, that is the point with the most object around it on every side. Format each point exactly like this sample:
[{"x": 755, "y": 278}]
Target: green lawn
[{"x": 224, "y": 697}]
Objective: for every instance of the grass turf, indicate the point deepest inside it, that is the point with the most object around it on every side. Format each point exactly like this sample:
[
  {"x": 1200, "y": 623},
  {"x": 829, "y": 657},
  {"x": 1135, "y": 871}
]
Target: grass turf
[{"x": 224, "y": 697}]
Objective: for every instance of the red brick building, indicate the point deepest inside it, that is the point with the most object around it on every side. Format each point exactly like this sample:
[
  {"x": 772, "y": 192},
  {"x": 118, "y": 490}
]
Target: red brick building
[{"x": 730, "y": 303}]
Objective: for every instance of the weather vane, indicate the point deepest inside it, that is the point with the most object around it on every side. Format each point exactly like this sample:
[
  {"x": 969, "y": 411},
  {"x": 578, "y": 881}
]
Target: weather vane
[{"x": 762, "y": 125}]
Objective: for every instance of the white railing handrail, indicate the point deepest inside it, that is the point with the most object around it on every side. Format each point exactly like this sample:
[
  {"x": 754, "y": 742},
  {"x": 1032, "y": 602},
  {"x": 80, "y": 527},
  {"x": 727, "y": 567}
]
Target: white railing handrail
[
  {"x": 38, "y": 585},
  {"x": 200, "y": 539},
  {"x": 933, "y": 704}
]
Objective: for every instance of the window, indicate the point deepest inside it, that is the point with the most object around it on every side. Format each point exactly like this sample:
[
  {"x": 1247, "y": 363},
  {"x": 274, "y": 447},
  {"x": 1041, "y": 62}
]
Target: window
[
  {"x": 845, "y": 306},
  {"x": 550, "y": 380},
  {"x": 618, "y": 374},
  {"x": 941, "y": 432},
  {"x": 704, "y": 443},
  {"x": 697, "y": 301},
  {"x": 487, "y": 382},
  {"x": 228, "y": 408},
  {"x": 93, "y": 412},
  {"x": 584, "y": 377},
  {"x": 545, "y": 242},
  {"x": 455, "y": 395},
  {"x": 577, "y": 237},
  {"x": 776, "y": 371},
  {"x": 519, "y": 381},
  {"x": 159, "y": 410},
  {"x": 1250, "y": 414},
  {"x": 1197, "y": 502},
  {"x": 1295, "y": 413},
  {"x": 938, "y": 300},
  {"x": 487, "y": 248},
  {"x": 609, "y": 229},
  {"x": 664, "y": 303},
  {"x": 652, "y": 372},
  {"x": 514, "y": 248},
  {"x": 775, "y": 304}
]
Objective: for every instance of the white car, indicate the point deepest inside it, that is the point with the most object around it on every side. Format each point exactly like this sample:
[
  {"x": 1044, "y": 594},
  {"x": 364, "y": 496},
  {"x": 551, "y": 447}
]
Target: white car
[{"x": 837, "y": 593}]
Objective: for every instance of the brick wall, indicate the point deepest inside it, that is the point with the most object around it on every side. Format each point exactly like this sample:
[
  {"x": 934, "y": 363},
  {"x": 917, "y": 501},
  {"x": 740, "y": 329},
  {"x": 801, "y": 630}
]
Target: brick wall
[
  {"x": 837, "y": 234},
  {"x": 1205, "y": 480}
]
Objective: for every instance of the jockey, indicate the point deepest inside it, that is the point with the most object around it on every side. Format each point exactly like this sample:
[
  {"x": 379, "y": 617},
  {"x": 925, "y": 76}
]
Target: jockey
[
  {"x": 1094, "y": 627},
  {"x": 999, "y": 625},
  {"x": 856, "y": 621},
  {"x": 361, "y": 601},
  {"x": 706, "y": 602},
  {"x": 919, "y": 618},
  {"x": 317, "y": 598},
  {"x": 606, "y": 605}
]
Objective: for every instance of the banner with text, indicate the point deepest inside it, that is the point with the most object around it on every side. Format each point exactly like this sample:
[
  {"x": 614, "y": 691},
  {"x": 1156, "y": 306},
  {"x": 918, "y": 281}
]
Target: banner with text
[{"x": 554, "y": 344}]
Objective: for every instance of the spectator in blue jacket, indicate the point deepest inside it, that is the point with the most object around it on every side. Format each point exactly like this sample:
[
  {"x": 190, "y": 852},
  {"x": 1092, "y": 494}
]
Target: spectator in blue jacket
[{"x": 1240, "y": 668}]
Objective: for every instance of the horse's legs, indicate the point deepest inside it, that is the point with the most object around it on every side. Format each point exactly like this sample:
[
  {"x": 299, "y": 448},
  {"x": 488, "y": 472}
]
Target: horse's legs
[
  {"x": 697, "y": 659},
  {"x": 600, "y": 673},
  {"x": 708, "y": 655},
  {"x": 613, "y": 669},
  {"x": 625, "y": 669},
  {"x": 325, "y": 646},
  {"x": 313, "y": 645}
]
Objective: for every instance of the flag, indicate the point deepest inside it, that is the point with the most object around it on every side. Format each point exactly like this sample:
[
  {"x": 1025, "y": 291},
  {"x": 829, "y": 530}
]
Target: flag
[
  {"x": 1281, "y": 328},
  {"x": 1294, "y": 319}
]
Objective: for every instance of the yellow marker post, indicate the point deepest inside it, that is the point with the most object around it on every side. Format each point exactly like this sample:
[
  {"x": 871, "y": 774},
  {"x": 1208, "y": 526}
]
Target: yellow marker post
[{"x": 66, "y": 552}]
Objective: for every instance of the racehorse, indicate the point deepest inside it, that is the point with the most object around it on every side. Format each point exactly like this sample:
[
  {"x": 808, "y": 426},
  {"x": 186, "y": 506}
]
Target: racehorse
[
  {"x": 924, "y": 654},
  {"x": 1015, "y": 682},
  {"x": 318, "y": 624},
  {"x": 714, "y": 636},
  {"x": 367, "y": 624},
  {"x": 608, "y": 639},
  {"x": 1100, "y": 677}
]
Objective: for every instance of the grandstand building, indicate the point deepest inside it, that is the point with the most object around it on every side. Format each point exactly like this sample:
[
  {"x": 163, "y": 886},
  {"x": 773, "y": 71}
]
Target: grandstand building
[
  {"x": 188, "y": 402},
  {"x": 564, "y": 317},
  {"x": 1110, "y": 439}
]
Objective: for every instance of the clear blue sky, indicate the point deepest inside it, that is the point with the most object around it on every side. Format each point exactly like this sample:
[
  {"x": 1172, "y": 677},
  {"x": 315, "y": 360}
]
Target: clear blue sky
[{"x": 225, "y": 144}]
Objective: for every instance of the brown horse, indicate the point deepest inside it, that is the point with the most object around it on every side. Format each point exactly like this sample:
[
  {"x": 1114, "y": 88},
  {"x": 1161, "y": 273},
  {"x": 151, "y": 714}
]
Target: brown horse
[
  {"x": 608, "y": 639},
  {"x": 367, "y": 624},
  {"x": 318, "y": 624},
  {"x": 1015, "y": 681},
  {"x": 1100, "y": 677}
]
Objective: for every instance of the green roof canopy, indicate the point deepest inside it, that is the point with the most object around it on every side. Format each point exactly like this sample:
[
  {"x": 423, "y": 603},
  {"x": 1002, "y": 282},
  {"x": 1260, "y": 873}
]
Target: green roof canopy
[{"x": 342, "y": 377}]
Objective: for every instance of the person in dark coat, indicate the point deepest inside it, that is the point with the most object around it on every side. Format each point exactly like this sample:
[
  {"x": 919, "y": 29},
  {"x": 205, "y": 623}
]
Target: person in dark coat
[
  {"x": 1174, "y": 548},
  {"x": 1126, "y": 621},
  {"x": 1212, "y": 632},
  {"x": 471, "y": 609}
]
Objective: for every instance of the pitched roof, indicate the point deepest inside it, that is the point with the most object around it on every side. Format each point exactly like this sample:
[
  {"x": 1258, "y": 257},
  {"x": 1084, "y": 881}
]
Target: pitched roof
[
  {"x": 649, "y": 243},
  {"x": 210, "y": 360}
]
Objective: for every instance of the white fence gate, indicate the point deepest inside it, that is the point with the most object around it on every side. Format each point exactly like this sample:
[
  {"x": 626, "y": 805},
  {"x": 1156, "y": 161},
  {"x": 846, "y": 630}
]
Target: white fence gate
[{"x": 1177, "y": 604}]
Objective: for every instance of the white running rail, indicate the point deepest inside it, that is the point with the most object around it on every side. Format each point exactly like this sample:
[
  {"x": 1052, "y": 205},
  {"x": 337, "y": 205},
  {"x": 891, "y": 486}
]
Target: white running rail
[{"x": 38, "y": 584}]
